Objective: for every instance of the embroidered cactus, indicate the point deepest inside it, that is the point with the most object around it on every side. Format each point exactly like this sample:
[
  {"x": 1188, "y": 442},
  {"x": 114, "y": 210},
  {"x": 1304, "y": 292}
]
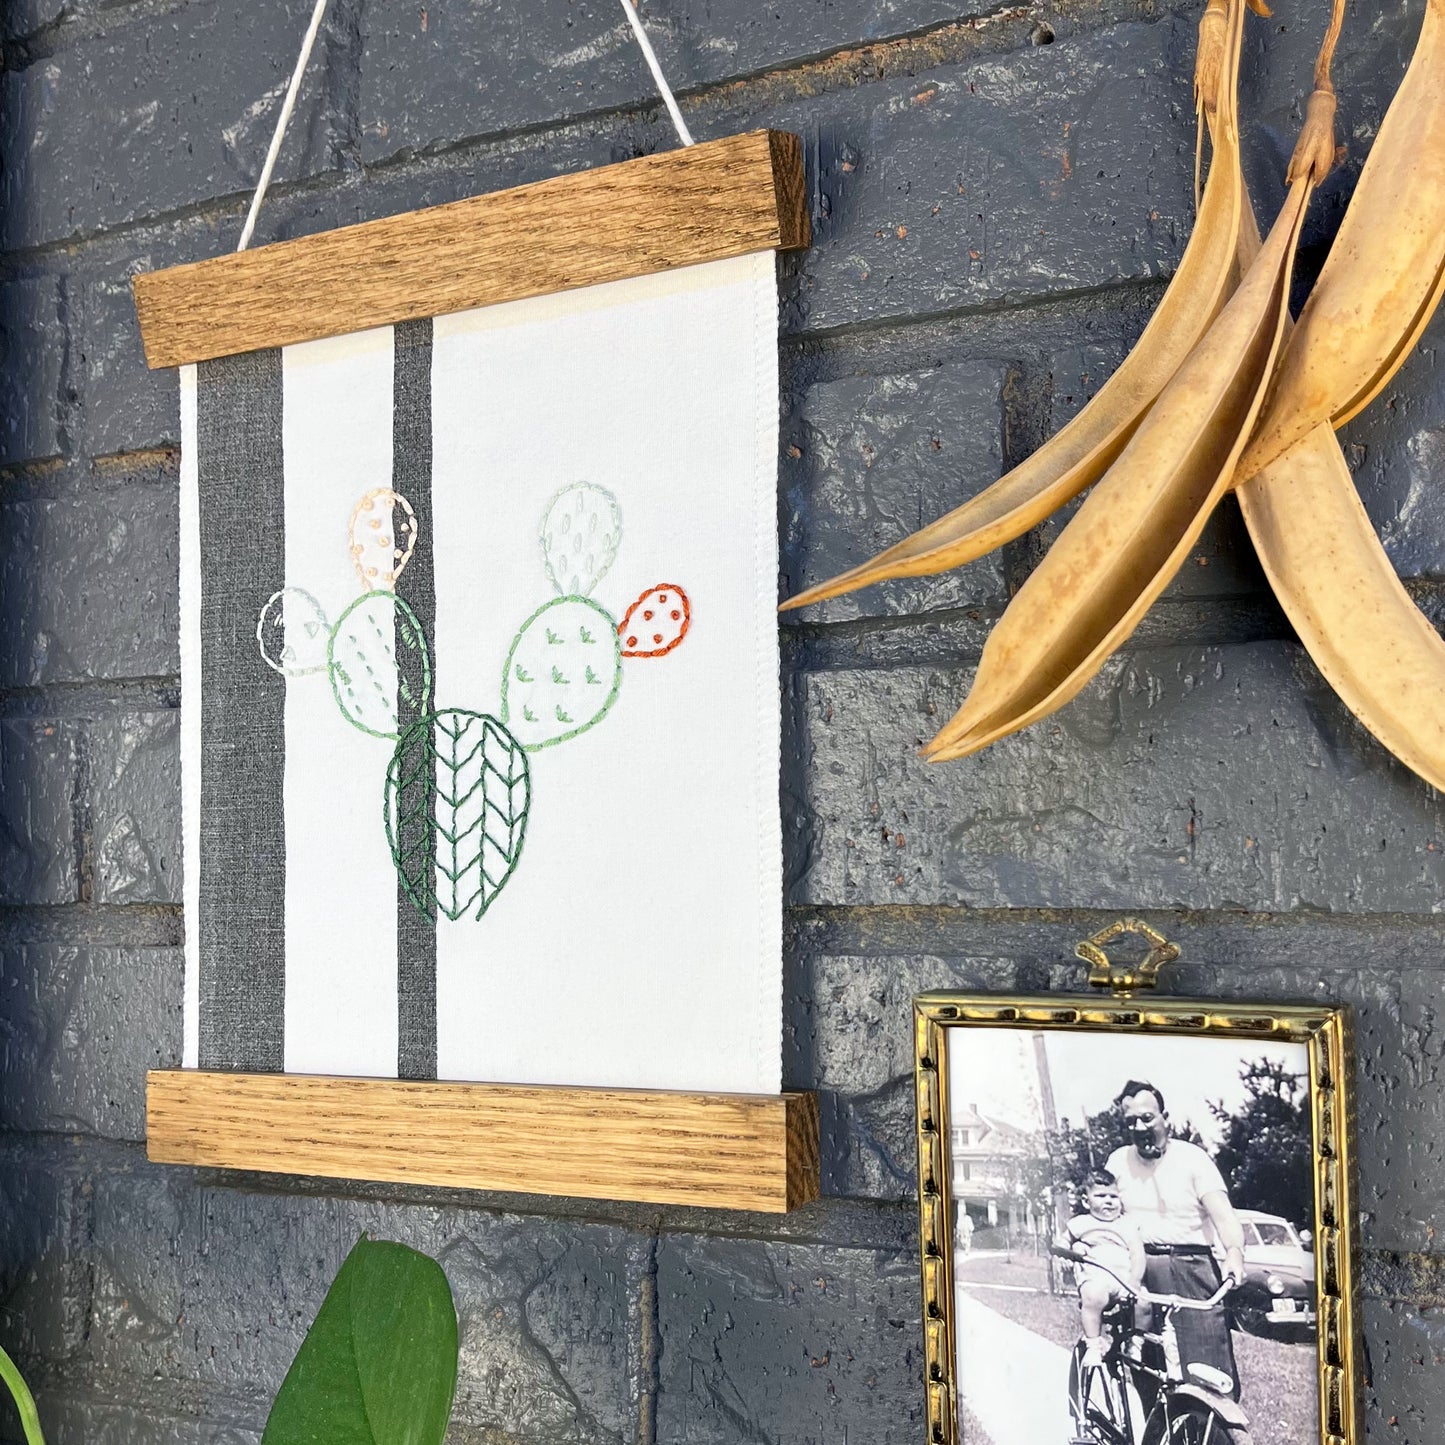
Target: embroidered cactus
[
  {"x": 581, "y": 532},
  {"x": 380, "y": 667},
  {"x": 383, "y": 537},
  {"x": 293, "y": 633},
  {"x": 457, "y": 793},
  {"x": 458, "y": 786},
  {"x": 562, "y": 672}
]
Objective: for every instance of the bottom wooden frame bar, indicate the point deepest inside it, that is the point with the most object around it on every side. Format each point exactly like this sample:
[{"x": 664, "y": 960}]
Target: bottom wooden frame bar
[{"x": 719, "y": 1151}]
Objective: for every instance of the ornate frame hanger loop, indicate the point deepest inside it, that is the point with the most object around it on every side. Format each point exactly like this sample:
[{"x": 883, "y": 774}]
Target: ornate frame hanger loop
[{"x": 1124, "y": 978}]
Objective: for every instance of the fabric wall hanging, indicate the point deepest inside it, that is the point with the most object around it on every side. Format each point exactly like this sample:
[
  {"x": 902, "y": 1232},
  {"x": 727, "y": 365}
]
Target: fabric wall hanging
[{"x": 480, "y": 730}]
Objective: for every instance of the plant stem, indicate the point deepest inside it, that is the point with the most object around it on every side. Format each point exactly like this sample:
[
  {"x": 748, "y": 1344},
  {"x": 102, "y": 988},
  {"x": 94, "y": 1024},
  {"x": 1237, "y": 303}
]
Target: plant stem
[{"x": 24, "y": 1400}]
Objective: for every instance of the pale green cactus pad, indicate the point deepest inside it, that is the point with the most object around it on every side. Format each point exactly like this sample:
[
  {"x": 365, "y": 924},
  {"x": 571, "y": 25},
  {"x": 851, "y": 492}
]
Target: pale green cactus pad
[
  {"x": 380, "y": 666},
  {"x": 457, "y": 793},
  {"x": 293, "y": 633},
  {"x": 581, "y": 532},
  {"x": 562, "y": 672}
]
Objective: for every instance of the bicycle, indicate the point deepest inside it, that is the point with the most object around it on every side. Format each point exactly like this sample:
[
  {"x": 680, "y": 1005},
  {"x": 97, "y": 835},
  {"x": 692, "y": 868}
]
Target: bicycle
[{"x": 1142, "y": 1393}]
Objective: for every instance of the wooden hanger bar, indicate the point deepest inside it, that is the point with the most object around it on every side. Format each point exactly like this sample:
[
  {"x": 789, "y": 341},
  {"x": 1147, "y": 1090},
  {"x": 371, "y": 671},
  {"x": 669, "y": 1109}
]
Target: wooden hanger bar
[
  {"x": 703, "y": 203},
  {"x": 720, "y": 1151}
]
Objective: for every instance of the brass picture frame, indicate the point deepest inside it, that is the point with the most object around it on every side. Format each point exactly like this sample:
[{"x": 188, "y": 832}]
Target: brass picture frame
[{"x": 1325, "y": 1031}]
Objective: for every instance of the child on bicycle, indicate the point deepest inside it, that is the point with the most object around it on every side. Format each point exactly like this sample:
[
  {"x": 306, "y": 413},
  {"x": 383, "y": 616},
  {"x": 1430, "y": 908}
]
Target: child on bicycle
[{"x": 1107, "y": 1237}]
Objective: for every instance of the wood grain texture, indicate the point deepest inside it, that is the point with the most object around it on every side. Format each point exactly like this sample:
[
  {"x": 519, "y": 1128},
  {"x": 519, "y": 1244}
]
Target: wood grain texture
[
  {"x": 703, "y": 203},
  {"x": 721, "y": 1151}
]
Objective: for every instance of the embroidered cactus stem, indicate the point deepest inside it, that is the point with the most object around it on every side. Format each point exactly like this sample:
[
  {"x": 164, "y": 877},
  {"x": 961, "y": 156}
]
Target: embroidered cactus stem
[
  {"x": 383, "y": 537},
  {"x": 562, "y": 672},
  {"x": 581, "y": 532},
  {"x": 373, "y": 691},
  {"x": 293, "y": 633},
  {"x": 457, "y": 793}
]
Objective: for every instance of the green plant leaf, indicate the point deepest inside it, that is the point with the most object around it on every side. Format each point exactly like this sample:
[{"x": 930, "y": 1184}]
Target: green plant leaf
[
  {"x": 379, "y": 1364},
  {"x": 24, "y": 1400}
]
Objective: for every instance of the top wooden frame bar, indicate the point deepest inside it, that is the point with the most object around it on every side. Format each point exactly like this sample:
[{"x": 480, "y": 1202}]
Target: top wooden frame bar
[{"x": 702, "y": 203}]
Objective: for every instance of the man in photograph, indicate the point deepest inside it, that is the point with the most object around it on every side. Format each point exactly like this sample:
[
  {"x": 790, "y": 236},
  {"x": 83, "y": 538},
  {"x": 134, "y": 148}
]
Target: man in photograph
[{"x": 1175, "y": 1193}]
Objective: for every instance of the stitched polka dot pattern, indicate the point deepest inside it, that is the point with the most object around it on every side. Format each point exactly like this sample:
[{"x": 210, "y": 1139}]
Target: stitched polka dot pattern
[
  {"x": 383, "y": 537},
  {"x": 656, "y": 622}
]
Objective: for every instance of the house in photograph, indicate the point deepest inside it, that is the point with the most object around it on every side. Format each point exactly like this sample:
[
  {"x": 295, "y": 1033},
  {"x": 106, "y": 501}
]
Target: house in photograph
[{"x": 997, "y": 1140}]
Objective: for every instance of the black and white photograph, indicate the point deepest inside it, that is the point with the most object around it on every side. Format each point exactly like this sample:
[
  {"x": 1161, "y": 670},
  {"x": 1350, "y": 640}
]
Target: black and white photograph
[{"x": 1133, "y": 1230}]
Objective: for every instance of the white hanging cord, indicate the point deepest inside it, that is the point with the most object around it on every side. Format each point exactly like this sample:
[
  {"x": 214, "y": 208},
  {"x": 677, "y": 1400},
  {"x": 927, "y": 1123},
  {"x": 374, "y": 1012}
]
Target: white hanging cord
[
  {"x": 282, "y": 121},
  {"x": 650, "y": 55},
  {"x": 289, "y": 104}
]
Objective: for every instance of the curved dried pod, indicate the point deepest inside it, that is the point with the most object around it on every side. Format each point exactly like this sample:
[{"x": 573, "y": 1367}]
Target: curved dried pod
[
  {"x": 1385, "y": 273},
  {"x": 1332, "y": 577},
  {"x": 1326, "y": 565},
  {"x": 1078, "y": 455},
  {"x": 1137, "y": 526}
]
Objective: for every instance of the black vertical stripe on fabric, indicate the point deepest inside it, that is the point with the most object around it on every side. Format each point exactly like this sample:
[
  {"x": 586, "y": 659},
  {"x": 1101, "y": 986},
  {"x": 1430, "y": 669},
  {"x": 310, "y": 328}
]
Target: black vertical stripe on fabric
[
  {"x": 241, "y": 482},
  {"x": 411, "y": 475}
]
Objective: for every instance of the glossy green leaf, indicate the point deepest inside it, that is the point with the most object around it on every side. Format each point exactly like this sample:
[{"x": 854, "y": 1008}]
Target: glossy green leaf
[
  {"x": 24, "y": 1400},
  {"x": 379, "y": 1364}
]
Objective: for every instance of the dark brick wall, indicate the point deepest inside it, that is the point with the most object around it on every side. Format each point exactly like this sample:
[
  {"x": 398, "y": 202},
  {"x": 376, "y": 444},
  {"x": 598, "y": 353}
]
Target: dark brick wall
[{"x": 997, "y": 199}]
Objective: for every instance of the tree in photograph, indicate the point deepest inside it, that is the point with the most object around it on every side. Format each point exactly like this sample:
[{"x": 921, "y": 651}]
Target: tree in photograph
[{"x": 1265, "y": 1150}]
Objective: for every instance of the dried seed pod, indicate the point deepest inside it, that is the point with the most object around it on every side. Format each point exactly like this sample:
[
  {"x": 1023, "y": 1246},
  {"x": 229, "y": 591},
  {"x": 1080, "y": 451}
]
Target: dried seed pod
[
  {"x": 1136, "y": 527},
  {"x": 1325, "y": 563},
  {"x": 1385, "y": 273},
  {"x": 1078, "y": 455},
  {"x": 1336, "y": 585}
]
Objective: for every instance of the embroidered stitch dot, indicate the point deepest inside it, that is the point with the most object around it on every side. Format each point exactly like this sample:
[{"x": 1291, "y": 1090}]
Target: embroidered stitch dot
[
  {"x": 383, "y": 536},
  {"x": 673, "y": 627}
]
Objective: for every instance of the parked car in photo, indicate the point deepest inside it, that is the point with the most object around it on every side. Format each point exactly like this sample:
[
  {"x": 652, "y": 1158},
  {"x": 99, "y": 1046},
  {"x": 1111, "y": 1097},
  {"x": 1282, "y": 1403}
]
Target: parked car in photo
[{"x": 1278, "y": 1293}]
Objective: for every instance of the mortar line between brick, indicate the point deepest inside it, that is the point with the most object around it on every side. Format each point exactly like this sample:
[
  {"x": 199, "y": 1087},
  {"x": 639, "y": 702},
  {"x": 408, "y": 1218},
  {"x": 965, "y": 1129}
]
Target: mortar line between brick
[
  {"x": 649, "y": 1369},
  {"x": 931, "y": 915}
]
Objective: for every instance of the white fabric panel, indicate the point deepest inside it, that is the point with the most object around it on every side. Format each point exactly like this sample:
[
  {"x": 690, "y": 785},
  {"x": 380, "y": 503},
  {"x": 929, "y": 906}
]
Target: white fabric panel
[
  {"x": 340, "y": 882},
  {"x": 190, "y": 569},
  {"x": 638, "y": 943}
]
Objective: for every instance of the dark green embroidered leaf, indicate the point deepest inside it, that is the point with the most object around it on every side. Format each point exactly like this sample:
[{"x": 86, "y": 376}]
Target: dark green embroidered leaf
[
  {"x": 379, "y": 1364},
  {"x": 457, "y": 793}
]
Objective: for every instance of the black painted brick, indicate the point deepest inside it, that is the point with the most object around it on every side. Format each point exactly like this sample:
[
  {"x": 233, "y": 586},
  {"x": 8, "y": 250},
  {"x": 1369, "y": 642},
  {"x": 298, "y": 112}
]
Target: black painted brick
[
  {"x": 161, "y": 1306},
  {"x": 433, "y": 76},
  {"x": 808, "y": 1344},
  {"x": 39, "y": 780},
  {"x": 81, "y": 1028},
  {"x": 126, "y": 406},
  {"x": 135, "y": 778},
  {"x": 868, "y": 459},
  {"x": 88, "y": 583},
  {"x": 161, "y": 112},
  {"x": 1182, "y": 777},
  {"x": 35, "y": 402}
]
